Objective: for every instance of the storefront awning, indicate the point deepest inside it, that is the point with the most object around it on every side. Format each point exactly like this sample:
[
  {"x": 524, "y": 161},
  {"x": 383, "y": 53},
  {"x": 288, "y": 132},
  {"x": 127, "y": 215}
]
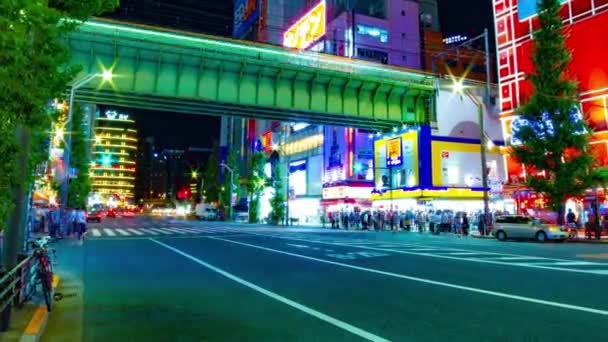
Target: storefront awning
[
  {"x": 432, "y": 193},
  {"x": 334, "y": 201}
]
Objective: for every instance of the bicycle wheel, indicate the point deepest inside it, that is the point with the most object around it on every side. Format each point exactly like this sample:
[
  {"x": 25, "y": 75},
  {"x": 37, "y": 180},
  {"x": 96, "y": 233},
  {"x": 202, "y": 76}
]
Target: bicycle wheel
[{"x": 47, "y": 292}]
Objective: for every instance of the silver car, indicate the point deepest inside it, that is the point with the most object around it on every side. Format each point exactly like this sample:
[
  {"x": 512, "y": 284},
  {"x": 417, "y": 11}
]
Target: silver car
[{"x": 525, "y": 227}]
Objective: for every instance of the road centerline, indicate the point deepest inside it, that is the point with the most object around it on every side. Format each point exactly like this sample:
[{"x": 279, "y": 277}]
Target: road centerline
[
  {"x": 424, "y": 280},
  {"x": 324, "y": 317}
]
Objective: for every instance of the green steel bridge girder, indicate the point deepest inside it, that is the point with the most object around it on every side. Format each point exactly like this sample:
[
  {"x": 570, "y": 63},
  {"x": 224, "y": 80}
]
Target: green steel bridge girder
[{"x": 189, "y": 73}]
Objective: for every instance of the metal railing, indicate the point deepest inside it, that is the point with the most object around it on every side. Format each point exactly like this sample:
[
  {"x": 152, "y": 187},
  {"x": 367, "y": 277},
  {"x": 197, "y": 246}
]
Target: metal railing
[{"x": 16, "y": 287}]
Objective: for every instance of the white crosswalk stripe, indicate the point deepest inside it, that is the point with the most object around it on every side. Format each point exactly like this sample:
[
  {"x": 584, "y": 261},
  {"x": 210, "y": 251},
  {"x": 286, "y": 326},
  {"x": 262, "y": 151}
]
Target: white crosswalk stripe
[
  {"x": 95, "y": 232},
  {"x": 162, "y": 231},
  {"x": 191, "y": 230},
  {"x": 149, "y": 231},
  {"x": 135, "y": 231},
  {"x": 178, "y": 230},
  {"x": 122, "y": 232},
  {"x": 109, "y": 232}
]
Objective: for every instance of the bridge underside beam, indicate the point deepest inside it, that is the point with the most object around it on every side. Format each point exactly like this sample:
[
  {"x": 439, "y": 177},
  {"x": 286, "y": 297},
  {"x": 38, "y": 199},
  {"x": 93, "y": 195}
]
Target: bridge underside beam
[
  {"x": 198, "y": 107},
  {"x": 154, "y": 67}
]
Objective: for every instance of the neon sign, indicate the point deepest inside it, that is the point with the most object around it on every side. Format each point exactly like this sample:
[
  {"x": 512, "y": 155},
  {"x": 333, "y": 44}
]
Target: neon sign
[
  {"x": 246, "y": 12},
  {"x": 113, "y": 115},
  {"x": 307, "y": 29}
]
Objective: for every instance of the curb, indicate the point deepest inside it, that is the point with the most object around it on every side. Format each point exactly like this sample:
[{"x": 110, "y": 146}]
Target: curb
[{"x": 36, "y": 325}]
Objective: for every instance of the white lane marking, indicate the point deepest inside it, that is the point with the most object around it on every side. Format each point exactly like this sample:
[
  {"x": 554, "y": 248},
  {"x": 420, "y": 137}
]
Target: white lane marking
[
  {"x": 149, "y": 231},
  {"x": 298, "y": 246},
  {"x": 427, "y": 281},
  {"x": 109, "y": 232},
  {"x": 519, "y": 258},
  {"x": 122, "y": 232},
  {"x": 324, "y": 317},
  {"x": 95, "y": 232},
  {"x": 135, "y": 231},
  {"x": 571, "y": 263},
  {"x": 481, "y": 260},
  {"x": 162, "y": 231},
  {"x": 603, "y": 272},
  {"x": 463, "y": 253}
]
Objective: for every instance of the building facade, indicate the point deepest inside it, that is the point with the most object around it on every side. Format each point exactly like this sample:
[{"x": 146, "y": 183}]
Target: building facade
[
  {"x": 113, "y": 158},
  {"x": 585, "y": 20},
  {"x": 425, "y": 167}
]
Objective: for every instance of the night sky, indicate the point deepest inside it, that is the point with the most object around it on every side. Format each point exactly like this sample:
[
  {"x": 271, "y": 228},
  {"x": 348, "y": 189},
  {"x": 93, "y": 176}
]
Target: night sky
[{"x": 172, "y": 130}]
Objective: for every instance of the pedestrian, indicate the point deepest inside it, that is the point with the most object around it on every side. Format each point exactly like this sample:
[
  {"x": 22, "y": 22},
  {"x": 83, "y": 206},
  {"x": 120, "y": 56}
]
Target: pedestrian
[
  {"x": 481, "y": 224},
  {"x": 420, "y": 221},
  {"x": 54, "y": 222},
  {"x": 465, "y": 224},
  {"x": 81, "y": 218}
]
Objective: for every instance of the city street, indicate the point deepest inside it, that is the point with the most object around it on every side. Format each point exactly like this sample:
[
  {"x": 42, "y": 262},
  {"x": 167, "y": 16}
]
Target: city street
[{"x": 156, "y": 279}]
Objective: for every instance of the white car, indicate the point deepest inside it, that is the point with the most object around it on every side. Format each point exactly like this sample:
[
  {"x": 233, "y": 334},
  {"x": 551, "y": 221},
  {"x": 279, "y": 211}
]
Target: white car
[{"x": 525, "y": 227}]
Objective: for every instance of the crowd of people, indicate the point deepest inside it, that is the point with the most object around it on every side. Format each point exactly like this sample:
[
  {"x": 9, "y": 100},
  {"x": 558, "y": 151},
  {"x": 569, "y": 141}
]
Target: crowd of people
[
  {"x": 434, "y": 221},
  {"x": 50, "y": 220}
]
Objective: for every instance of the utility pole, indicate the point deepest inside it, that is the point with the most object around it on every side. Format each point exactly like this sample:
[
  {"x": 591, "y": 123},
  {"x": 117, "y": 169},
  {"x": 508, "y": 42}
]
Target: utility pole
[{"x": 459, "y": 87}]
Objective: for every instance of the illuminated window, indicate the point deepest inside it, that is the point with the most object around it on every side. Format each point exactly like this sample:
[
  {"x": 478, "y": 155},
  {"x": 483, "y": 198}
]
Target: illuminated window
[{"x": 374, "y": 32}]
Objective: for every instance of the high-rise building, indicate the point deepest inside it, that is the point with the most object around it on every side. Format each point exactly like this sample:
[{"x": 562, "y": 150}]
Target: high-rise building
[
  {"x": 177, "y": 172},
  {"x": 158, "y": 177},
  {"x": 145, "y": 156},
  {"x": 113, "y": 157}
]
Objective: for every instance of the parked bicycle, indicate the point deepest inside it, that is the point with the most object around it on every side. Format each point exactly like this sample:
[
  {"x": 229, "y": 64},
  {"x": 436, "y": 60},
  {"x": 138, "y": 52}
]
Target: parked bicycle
[{"x": 44, "y": 271}]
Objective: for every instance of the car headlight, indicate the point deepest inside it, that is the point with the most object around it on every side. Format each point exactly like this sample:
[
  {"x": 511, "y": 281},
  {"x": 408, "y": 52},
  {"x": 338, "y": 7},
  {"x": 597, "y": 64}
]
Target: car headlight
[{"x": 554, "y": 229}]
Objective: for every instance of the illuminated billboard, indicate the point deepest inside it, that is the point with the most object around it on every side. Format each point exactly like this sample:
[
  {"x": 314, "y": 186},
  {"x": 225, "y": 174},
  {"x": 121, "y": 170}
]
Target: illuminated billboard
[
  {"x": 528, "y": 8},
  {"x": 246, "y": 12},
  {"x": 308, "y": 29},
  {"x": 393, "y": 152}
]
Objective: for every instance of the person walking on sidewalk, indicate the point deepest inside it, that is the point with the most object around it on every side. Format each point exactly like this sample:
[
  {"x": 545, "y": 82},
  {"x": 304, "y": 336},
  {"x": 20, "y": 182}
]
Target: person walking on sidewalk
[
  {"x": 420, "y": 221},
  {"x": 81, "y": 219}
]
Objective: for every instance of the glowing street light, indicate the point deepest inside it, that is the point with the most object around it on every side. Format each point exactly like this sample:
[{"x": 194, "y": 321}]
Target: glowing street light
[
  {"x": 97, "y": 139},
  {"x": 459, "y": 87},
  {"x": 106, "y": 75}
]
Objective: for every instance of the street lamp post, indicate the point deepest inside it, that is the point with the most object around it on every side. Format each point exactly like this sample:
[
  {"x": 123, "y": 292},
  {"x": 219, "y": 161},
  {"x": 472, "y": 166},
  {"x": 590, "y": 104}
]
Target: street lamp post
[
  {"x": 106, "y": 76},
  {"x": 459, "y": 87},
  {"x": 231, "y": 186}
]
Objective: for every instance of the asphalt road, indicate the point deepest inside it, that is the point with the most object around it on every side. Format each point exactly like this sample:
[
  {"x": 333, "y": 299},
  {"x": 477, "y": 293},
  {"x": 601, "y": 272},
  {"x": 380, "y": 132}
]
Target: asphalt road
[{"x": 172, "y": 280}]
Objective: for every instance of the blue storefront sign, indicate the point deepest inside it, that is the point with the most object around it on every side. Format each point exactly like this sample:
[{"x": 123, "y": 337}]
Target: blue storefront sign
[{"x": 246, "y": 12}]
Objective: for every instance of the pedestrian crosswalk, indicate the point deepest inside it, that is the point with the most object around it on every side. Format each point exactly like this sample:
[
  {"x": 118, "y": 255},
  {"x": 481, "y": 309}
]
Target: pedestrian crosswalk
[
  {"x": 156, "y": 231},
  {"x": 454, "y": 253}
]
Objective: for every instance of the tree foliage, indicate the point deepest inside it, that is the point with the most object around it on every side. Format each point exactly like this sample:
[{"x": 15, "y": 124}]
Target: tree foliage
[
  {"x": 256, "y": 184},
  {"x": 34, "y": 68},
  {"x": 277, "y": 202},
  {"x": 554, "y": 142},
  {"x": 80, "y": 187}
]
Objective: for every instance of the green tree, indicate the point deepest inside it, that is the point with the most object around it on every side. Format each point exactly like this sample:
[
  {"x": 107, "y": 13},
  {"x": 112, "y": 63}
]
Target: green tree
[
  {"x": 277, "y": 202},
  {"x": 256, "y": 184},
  {"x": 554, "y": 143},
  {"x": 212, "y": 175},
  {"x": 80, "y": 187},
  {"x": 35, "y": 68}
]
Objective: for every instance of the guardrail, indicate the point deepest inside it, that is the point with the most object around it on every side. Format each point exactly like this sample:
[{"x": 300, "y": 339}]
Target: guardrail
[{"x": 16, "y": 287}]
